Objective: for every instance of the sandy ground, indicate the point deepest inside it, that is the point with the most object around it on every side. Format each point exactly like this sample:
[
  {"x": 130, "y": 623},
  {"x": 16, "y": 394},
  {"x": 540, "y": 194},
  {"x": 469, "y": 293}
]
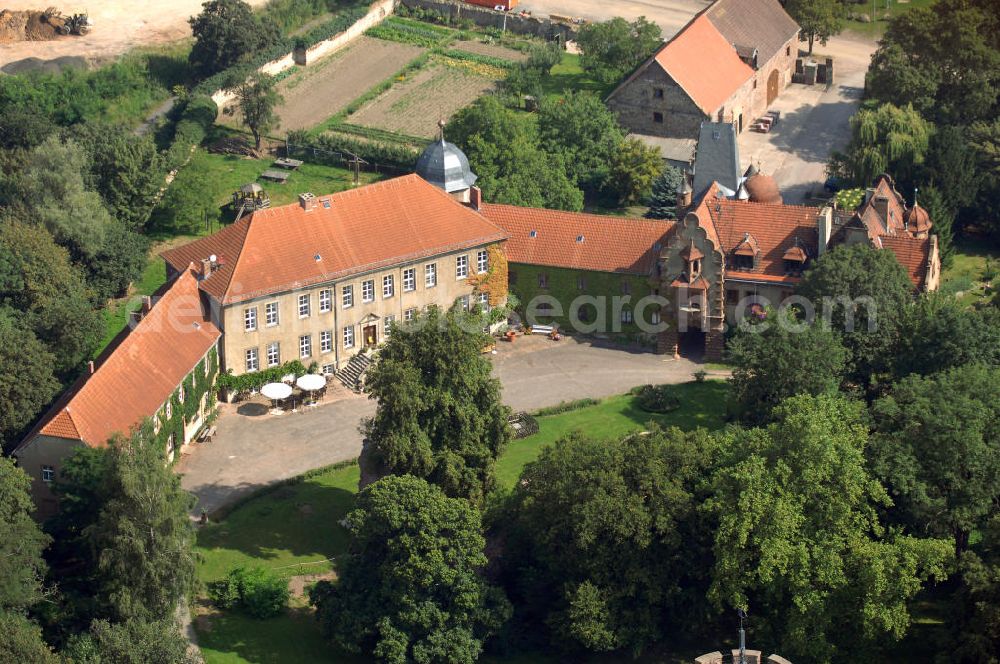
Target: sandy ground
[
  {"x": 670, "y": 15},
  {"x": 119, "y": 25}
]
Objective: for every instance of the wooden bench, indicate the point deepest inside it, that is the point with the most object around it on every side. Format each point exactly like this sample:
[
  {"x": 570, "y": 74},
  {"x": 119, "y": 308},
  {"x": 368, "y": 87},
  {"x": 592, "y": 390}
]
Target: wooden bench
[
  {"x": 542, "y": 329},
  {"x": 276, "y": 176},
  {"x": 206, "y": 435}
]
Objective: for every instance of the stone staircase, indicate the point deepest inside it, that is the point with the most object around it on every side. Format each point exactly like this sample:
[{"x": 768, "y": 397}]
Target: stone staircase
[{"x": 353, "y": 372}]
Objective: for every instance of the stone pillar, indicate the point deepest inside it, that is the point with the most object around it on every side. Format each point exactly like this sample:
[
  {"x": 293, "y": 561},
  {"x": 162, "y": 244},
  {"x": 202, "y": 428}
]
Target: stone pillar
[
  {"x": 709, "y": 658},
  {"x": 715, "y": 344},
  {"x": 666, "y": 342}
]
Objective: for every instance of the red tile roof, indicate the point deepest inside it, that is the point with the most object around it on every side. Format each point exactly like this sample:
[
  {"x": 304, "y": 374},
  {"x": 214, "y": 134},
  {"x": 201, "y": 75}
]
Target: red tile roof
[
  {"x": 704, "y": 64},
  {"x": 776, "y": 229},
  {"x": 137, "y": 375},
  {"x": 912, "y": 254},
  {"x": 610, "y": 244},
  {"x": 364, "y": 229}
]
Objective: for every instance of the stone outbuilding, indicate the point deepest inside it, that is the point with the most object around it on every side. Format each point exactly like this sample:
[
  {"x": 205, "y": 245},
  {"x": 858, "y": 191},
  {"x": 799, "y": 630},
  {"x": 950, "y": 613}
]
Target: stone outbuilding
[{"x": 728, "y": 64}]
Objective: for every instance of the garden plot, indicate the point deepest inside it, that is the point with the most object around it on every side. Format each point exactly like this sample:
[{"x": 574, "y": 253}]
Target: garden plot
[
  {"x": 414, "y": 106},
  {"x": 491, "y": 50},
  {"x": 316, "y": 92}
]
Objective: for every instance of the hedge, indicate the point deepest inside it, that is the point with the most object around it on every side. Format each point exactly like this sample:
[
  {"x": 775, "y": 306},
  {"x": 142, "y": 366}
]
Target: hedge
[
  {"x": 196, "y": 120},
  {"x": 329, "y": 150},
  {"x": 286, "y": 45}
]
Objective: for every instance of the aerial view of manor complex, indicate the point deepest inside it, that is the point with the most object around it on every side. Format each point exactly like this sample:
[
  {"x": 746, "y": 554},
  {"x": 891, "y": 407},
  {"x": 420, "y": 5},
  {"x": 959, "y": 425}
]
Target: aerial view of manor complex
[{"x": 526, "y": 331}]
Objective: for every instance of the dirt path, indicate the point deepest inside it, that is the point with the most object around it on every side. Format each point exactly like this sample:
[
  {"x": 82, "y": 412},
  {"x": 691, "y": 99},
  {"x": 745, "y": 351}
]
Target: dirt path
[
  {"x": 670, "y": 15},
  {"x": 119, "y": 25}
]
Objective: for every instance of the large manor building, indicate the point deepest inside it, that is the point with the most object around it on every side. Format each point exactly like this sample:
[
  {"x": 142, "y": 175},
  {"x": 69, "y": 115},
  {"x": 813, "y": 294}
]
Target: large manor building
[
  {"x": 327, "y": 277},
  {"x": 728, "y": 64}
]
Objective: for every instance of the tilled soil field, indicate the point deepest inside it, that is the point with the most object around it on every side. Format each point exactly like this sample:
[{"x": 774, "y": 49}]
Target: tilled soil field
[
  {"x": 24, "y": 26},
  {"x": 413, "y": 107},
  {"x": 317, "y": 92}
]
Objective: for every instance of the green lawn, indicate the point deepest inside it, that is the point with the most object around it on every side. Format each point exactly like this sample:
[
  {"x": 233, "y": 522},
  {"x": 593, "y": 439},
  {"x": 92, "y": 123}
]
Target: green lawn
[
  {"x": 974, "y": 263},
  {"x": 893, "y": 8},
  {"x": 568, "y": 75},
  {"x": 297, "y": 523}
]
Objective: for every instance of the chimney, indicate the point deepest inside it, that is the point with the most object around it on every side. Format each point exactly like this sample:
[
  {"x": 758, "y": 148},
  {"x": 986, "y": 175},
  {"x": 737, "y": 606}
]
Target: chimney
[
  {"x": 881, "y": 205},
  {"x": 307, "y": 201},
  {"x": 147, "y": 304},
  {"x": 475, "y": 197},
  {"x": 90, "y": 367},
  {"x": 824, "y": 228},
  {"x": 206, "y": 268},
  {"x": 869, "y": 192}
]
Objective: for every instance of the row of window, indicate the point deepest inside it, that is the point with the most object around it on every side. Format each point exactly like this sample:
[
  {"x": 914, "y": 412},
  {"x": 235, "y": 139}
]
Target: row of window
[
  {"x": 273, "y": 349},
  {"x": 587, "y": 312},
  {"x": 367, "y": 291}
]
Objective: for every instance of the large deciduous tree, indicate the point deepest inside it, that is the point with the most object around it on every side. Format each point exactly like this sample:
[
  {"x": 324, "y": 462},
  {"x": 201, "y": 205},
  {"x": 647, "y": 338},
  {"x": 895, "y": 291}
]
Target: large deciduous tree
[
  {"x": 256, "y": 100},
  {"x": 603, "y": 542},
  {"x": 504, "y": 151},
  {"x": 886, "y": 139},
  {"x": 143, "y": 534},
  {"x": 631, "y": 171},
  {"x": 226, "y": 32},
  {"x": 614, "y": 48},
  {"x": 938, "y": 449},
  {"x": 131, "y": 642},
  {"x": 27, "y": 383},
  {"x": 439, "y": 415},
  {"x": 580, "y": 128},
  {"x": 410, "y": 589},
  {"x": 862, "y": 292},
  {"x": 799, "y": 542},
  {"x": 21, "y": 641},
  {"x": 21, "y": 541},
  {"x": 780, "y": 358},
  {"x": 939, "y": 333},
  {"x": 819, "y": 19}
]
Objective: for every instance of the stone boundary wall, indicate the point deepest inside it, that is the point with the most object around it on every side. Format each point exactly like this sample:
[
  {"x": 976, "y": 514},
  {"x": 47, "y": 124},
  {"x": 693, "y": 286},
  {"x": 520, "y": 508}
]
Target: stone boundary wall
[
  {"x": 378, "y": 12},
  {"x": 489, "y": 18}
]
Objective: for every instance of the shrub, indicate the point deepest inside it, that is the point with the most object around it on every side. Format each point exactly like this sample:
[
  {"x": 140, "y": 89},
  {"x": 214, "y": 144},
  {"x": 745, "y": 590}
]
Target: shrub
[
  {"x": 657, "y": 398},
  {"x": 566, "y": 406},
  {"x": 700, "y": 375},
  {"x": 258, "y": 591}
]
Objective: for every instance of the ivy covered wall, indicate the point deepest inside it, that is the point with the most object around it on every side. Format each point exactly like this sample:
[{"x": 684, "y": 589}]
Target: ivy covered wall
[
  {"x": 565, "y": 285},
  {"x": 196, "y": 384}
]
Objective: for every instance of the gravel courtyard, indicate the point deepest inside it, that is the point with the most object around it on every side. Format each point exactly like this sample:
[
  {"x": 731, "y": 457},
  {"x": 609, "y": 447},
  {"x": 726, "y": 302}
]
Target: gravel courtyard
[{"x": 252, "y": 449}]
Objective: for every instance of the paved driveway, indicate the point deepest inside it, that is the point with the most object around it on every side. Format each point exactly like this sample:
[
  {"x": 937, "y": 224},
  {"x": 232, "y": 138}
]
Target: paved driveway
[
  {"x": 252, "y": 449},
  {"x": 815, "y": 121}
]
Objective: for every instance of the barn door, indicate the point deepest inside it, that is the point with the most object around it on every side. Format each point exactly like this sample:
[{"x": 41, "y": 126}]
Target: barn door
[{"x": 772, "y": 86}]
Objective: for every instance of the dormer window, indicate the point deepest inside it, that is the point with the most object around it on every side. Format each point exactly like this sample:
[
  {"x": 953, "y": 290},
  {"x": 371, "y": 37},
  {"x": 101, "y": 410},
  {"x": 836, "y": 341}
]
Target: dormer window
[
  {"x": 795, "y": 260},
  {"x": 742, "y": 262},
  {"x": 744, "y": 257}
]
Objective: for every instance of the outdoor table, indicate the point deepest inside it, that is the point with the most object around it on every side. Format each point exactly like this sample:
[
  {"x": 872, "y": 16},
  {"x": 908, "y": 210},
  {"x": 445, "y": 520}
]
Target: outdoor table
[
  {"x": 276, "y": 392},
  {"x": 310, "y": 383}
]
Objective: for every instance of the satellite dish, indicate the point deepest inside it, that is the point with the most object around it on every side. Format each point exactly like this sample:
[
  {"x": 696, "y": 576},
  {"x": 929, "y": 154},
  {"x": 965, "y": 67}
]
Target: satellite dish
[{"x": 212, "y": 258}]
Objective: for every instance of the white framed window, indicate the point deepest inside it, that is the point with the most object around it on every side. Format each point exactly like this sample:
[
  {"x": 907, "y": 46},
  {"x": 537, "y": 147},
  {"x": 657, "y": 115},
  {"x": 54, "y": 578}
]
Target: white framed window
[
  {"x": 368, "y": 290},
  {"x": 271, "y": 314},
  {"x": 329, "y": 369},
  {"x": 325, "y": 300},
  {"x": 461, "y": 267},
  {"x": 484, "y": 302},
  {"x": 347, "y": 296},
  {"x": 409, "y": 314},
  {"x": 170, "y": 446},
  {"x": 349, "y": 336},
  {"x": 655, "y": 318},
  {"x": 482, "y": 261},
  {"x": 431, "y": 275},
  {"x": 48, "y": 474},
  {"x": 626, "y": 316},
  {"x": 252, "y": 365},
  {"x": 409, "y": 279},
  {"x": 180, "y": 394},
  {"x": 273, "y": 354},
  {"x": 389, "y": 321},
  {"x": 168, "y": 409},
  {"x": 326, "y": 341},
  {"x": 464, "y": 302},
  {"x": 156, "y": 423},
  {"x": 250, "y": 319},
  {"x": 305, "y": 346},
  {"x": 388, "y": 286},
  {"x": 304, "y": 305}
]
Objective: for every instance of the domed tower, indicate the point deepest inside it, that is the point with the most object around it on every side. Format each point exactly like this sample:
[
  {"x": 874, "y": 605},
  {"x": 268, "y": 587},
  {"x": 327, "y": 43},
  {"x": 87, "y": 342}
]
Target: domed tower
[
  {"x": 445, "y": 166},
  {"x": 917, "y": 221},
  {"x": 763, "y": 189}
]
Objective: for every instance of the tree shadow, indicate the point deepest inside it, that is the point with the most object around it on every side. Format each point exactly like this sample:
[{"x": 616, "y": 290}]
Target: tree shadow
[
  {"x": 812, "y": 132},
  {"x": 300, "y": 519}
]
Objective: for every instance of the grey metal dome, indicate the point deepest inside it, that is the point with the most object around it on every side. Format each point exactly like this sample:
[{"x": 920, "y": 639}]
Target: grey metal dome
[{"x": 444, "y": 165}]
